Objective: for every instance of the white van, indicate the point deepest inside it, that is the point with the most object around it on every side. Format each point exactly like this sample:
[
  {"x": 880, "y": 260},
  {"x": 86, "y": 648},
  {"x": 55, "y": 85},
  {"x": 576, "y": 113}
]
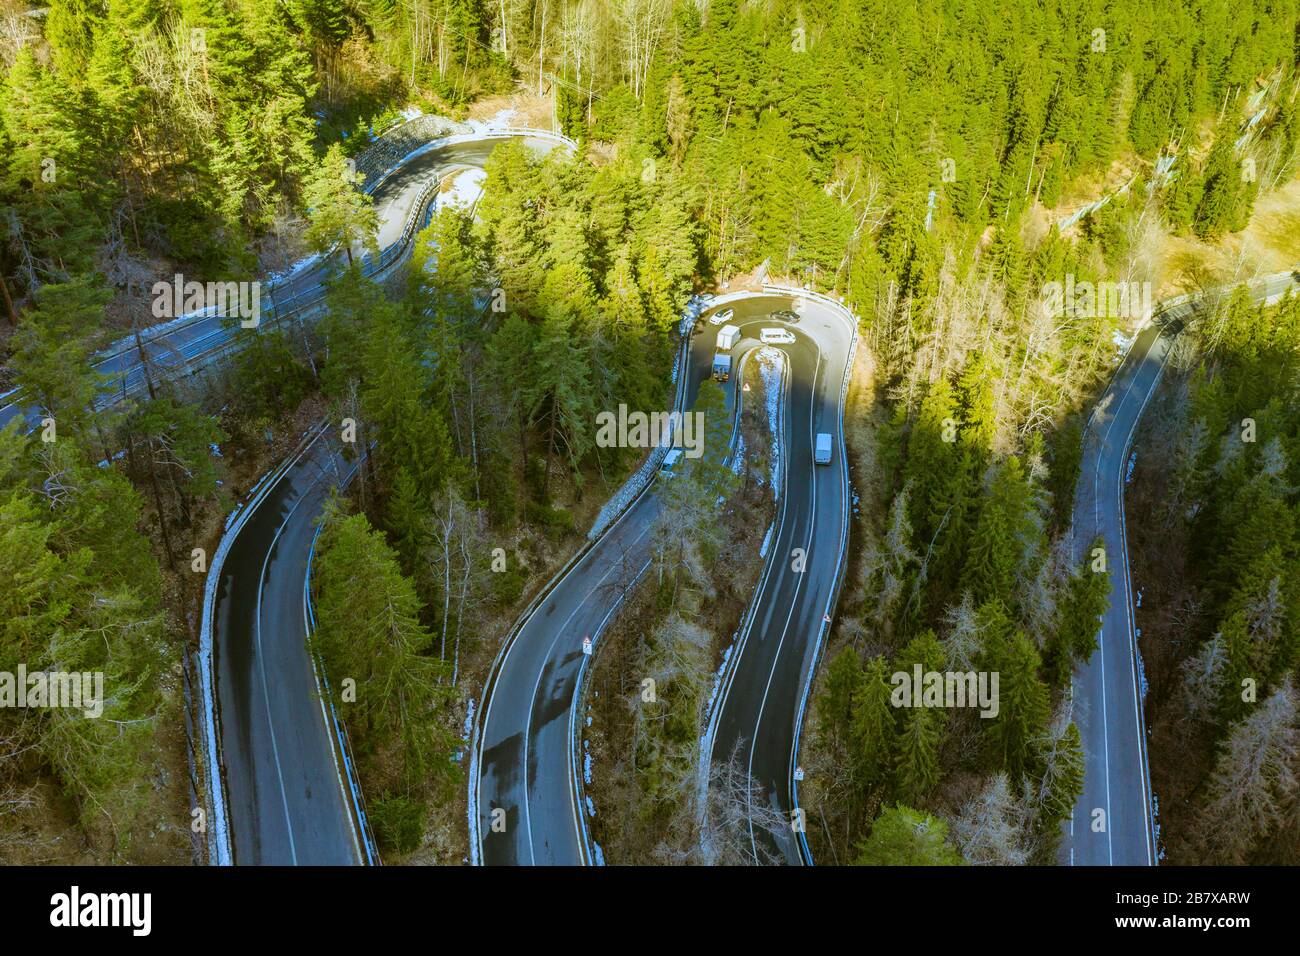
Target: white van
[
  {"x": 822, "y": 450},
  {"x": 776, "y": 336}
]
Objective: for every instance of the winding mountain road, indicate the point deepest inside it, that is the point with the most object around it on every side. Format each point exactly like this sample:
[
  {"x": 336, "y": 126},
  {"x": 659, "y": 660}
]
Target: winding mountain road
[
  {"x": 525, "y": 790},
  {"x": 1113, "y": 822},
  {"x": 290, "y": 796},
  {"x": 280, "y": 789},
  {"x": 280, "y": 786}
]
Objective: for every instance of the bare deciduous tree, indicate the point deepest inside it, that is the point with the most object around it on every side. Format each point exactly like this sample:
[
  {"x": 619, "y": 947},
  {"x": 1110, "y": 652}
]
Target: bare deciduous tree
[
  {"x": 1253, "y": 782},
  {"x": 990, "y": 829}
]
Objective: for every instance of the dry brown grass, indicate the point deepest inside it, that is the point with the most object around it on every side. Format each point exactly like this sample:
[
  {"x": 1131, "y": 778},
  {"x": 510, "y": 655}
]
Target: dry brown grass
[{"x": 529, "y": 108}]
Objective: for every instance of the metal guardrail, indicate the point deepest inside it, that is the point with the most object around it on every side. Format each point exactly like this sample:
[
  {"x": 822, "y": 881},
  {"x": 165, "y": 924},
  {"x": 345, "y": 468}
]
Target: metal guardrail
[
  {"x": 1192, "y": 302},
  {"x": 853, "y": 323},
  {"x": 341, "y": 735},
  {"x": 494, "y": 672},
  {"x": 220, "y": 847},
  {"x": 219, "y": 839},
  {"x": 131, "y": 381}
]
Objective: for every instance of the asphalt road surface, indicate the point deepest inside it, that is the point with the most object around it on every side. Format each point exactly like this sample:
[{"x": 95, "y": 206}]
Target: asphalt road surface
[
  {"x": 525, "y": 767},
  {"x": 779, "y": 641},
  {"x": 1112, "y": 823},
  {"x": 287, "y": 796},
  {"x": 192, "y": 342},
  {"x": 286, "y": 799}
]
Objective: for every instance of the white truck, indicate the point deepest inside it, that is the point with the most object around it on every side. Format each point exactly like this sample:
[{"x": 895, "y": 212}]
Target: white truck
[
  {"x": 727, "y": 336},
  {"x": 822, "y": 450}
]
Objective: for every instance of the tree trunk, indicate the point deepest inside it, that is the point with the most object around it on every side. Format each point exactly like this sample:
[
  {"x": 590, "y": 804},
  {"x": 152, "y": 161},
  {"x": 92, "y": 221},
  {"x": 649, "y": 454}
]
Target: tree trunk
[
  {"x": 162, "y": 515},
  {"x": 9, "y": 303}
]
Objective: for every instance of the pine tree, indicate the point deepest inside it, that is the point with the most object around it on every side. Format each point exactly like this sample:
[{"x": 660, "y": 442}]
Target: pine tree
[
  {"x": 412, "y": 432},
  {"x": 1086, "y": 599},
  {"x": 340, "y": 214},
  {"x": 901, "y": 836},
  {"x": 1227, "y": 198},
  {"x": 1006, "y": 537},
  {"x": 369, "y": 632},
  {"x": 557, "y": 392},
  {"x": 872, "y": 730},
  {"x": 1023, "y": 699},
  {"x": 916, "y": 768},
  {"x": 52, "y": 352},
  {"x": 835, "y": 703}
]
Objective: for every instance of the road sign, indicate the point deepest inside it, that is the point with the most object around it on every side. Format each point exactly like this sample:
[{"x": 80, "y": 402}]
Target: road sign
[{"x": 586, "y": 646}]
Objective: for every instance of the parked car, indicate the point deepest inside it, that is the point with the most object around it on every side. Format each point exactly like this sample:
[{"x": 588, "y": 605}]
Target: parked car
[
  {"x": 776, "y": 336},
  {"x": 722, "y": 315},
  {"x": 786, "y": 315}
]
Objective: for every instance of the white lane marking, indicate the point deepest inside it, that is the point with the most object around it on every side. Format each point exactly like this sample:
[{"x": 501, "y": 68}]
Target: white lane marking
[
  {"x": 776, "y": 659},
  {"x": 266, "y": 697},
  {"x": 563, "y": 629},
  {"x": 553, "y": 586},
  {"x": 1101, "y": 642},
  {"x": 843, "y": 515},
  {"x": 1101, "y": 634},
  {"x": 743, "y": 639},
  {"x": 579, "y": 827},
  {"x": 1144, "y": 769}
]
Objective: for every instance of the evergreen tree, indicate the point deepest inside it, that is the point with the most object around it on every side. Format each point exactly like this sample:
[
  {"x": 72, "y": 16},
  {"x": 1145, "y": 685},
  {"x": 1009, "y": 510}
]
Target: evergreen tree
[
  {"x": 340, "y": 214},
  {"x": 902, "y": 836}
]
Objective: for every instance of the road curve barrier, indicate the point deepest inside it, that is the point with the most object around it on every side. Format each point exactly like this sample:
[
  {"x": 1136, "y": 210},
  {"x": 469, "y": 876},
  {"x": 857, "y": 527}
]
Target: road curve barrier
[
  {"x": 839, "y": 309},
  {"x": 619, "y": 505},
  {"x": 220, "y": 849},
  {"x": 305, "y": 304}
]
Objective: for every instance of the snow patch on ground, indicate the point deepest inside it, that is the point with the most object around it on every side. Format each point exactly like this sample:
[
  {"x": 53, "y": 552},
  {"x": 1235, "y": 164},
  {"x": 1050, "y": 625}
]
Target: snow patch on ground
[
  {"x": 301, "y": 264},
  {"x": 717, "y": 681},
  {"x": 650, "y": 467},
  {"x": 466, "y": 189},
  {"x": 738, "y": 456},
  {"x": 1122, "y": 343},
  {"x": 469, "y": 720},
  {"x": 767, "y": 540},
  {"x": 771, "y": 362},
  {"x": 501, "y": 119}
]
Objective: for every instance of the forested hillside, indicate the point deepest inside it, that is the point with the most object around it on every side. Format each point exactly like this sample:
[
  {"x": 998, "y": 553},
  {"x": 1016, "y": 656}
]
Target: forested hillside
[
  {"x": 1222, "y": 604},
  {"x": 921, "y": 160}
]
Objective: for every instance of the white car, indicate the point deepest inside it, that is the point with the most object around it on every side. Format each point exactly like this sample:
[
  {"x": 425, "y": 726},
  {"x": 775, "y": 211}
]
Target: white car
[
  {"x": 722, "y": 315},
  {"x": 776, "y": 336}
]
